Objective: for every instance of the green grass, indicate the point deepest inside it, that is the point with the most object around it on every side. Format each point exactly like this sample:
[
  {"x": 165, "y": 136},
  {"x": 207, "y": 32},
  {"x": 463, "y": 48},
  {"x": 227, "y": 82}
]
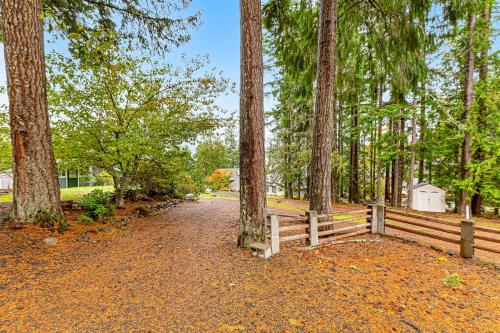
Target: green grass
[{"x": 71, "y": 193}]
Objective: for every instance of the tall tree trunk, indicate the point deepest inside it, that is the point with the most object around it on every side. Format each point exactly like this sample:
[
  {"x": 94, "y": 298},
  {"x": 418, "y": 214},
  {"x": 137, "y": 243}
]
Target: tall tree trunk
[
  {"x": 363, "y": 166},
  {"x": 421, "y": 138},
  {"x": 333, "y": 189},
  {"x": 36, "y": 185},
  {"x": 379, "y": 149},
  {"x": 340, "y": 152},
  {"x": 354, "y": 158},
  {"x": 323, "y": 113},
  {"x": 395, "y": 167},
  {"x": 411, "y": 172},
  {"x": 252, "y": 159},
  {"x": 483, "y": 76},
  {"x": 388, "y": 185},
  {"x": 401, "y": 159},
  {"x": 466, "y": 158}
]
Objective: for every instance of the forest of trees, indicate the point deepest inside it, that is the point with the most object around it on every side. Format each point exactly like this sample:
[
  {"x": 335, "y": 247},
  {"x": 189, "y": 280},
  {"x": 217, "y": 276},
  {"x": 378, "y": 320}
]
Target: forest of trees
[
  {"x": 370, "y": 95},
  {"x": 416, "y": 97}
]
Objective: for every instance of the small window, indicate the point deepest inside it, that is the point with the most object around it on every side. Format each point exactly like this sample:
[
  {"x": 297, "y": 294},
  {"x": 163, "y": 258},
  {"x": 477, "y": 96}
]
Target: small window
[
  {"x": 267, "y": 188},
  {"x": 274, "y": 189},
  {"x": 62, "y": 173}
]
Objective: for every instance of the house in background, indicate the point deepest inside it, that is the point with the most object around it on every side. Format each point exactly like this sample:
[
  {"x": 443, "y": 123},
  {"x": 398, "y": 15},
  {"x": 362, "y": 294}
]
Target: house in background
[
  {"x": 6, "y": 182},
  {"x": 272, "y": 187},
  {"x": 76, "y": 177},
  {"x": 428, "y": 198}
]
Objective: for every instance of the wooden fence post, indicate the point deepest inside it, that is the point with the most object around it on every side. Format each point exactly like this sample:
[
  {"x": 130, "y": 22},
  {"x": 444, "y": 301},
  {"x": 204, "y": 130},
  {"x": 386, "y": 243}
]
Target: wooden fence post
[
  {"x": 273, "y": 224},
  {"x": 373, "y": 218},
  {"x": 312, "y": 218},
  {"x": 380, "y": 219},
  {"x": 467, "y": 238}
]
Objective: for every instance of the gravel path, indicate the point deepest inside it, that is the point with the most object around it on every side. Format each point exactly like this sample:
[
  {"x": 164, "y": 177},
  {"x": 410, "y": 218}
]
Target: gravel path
[{"x": 180, "y": 271}]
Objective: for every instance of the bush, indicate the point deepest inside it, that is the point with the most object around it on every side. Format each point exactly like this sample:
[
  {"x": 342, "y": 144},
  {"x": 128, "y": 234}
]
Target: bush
[
  {"x": 132, "y": 194},
  {"x": 218, "y": 180},
  {"x": 452, "y": 280},
  {"x": 85, "y": 219},
  {"x": 184, "y": 184},
  {"x": 104, "y": 179},
  {"x": 46, "y": 219},
  {"x": 96, "y": 204}
]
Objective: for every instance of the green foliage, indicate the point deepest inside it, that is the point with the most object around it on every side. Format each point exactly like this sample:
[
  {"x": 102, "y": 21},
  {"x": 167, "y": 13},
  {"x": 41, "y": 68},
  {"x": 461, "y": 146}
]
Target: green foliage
[
  {"x": 85, "y": 219},
  {"x": 5, "y": 144},
  {"x": 128, "y": 115},
  {"x": 104, "y": 179},
  {"x": 452, "y": 280},
  {"x": 154, "y": 25},
  {"x": 47, "y": 219},
  {"x": 96, "y": 204},
  {"x": 218, "y": 180},
  {"x": 184, "y": 184},
  {"x": 211, "y": 155}
]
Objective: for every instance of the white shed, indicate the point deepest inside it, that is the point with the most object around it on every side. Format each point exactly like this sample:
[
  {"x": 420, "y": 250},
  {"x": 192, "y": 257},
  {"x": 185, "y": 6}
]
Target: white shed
[{"x": 428, "y": 198}]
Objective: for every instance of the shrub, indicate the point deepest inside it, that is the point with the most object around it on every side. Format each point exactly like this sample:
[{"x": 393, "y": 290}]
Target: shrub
[
  {"x": 46, "y": 219},
  {"x": 184, "y": 184},
  {"x": 96, "y": 204},
  {"x": 85, "y": 219},
  {"x": 218, "y": 180},
  {"x": 452, "y": 280},
  {"x": 132, "y": 193}
]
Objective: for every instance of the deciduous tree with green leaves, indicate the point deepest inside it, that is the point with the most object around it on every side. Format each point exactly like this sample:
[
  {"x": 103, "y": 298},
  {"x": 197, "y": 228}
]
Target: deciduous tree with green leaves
[{"x": 116, "y": 111}]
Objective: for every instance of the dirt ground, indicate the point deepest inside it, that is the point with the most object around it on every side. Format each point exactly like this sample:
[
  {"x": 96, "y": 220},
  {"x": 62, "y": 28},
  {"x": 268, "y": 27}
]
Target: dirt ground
[{"x": 180, "y": 271}]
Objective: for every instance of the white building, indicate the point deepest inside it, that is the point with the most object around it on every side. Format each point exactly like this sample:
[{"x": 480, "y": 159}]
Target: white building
[
  {"x": 6, "y": 182},
  {"x": 428, "y": 198}
]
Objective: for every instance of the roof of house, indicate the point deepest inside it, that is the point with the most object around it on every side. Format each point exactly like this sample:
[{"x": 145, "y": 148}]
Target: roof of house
[{"x": 424, "y": 184}]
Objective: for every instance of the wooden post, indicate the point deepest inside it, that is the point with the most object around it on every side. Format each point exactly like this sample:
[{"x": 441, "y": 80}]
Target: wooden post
[
  {"x": 373, "y": 218},
  {"x": 272, "y": 223},
  {"x": 380, "y": 219},
  {"x": 312, "y": 217},
  {"x": 467, "y": 238}
]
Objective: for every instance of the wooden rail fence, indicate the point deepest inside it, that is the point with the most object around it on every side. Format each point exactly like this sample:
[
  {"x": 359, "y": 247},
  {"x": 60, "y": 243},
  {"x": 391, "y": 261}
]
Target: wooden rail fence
[
  {"x": 464, "y": 233},
  {"x": 317, "y": 229}
]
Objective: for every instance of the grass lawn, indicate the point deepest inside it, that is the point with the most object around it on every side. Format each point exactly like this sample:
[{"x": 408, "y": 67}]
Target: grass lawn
[{"x": 71, "y": 193}]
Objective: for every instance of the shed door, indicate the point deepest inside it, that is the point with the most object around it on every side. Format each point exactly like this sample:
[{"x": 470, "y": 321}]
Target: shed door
[
  {"x": 423, "y": 201},
  {"x": 435, "y": 201}
]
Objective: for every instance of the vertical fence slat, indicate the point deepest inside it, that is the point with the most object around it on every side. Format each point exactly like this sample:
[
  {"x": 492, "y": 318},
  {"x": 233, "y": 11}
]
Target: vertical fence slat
[
  {"x": 467, "y": 238},
  {"x": 312, "y": 218},
  {"x": 380, "y": 219},
  {"x": 274, "y": 226}
]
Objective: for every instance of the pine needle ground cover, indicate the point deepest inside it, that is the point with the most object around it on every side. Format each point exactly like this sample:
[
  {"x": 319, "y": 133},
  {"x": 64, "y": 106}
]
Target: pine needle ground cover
[{"x": 180, "y": 271}]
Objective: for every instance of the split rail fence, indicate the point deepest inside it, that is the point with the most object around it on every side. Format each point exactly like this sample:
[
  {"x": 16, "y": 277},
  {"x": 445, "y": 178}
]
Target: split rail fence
[{"x": 317, "y": 229}]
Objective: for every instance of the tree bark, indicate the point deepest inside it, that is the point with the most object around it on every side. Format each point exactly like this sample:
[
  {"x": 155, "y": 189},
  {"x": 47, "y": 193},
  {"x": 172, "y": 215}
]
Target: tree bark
[
  {"x": 395, "y": 167},
  {"x": 466, "y": 157},
  {"x": 401, "y": 158},
  {"x": 477, "y": 199},
  {"x": 354, "y": 158},
  {"x": 387, "y": 192},
  {"x": 411, "y": 172},
  {"x": 421, "y": 138},
  {"x": 323, "y": 116},
  {"x": 36, "y": 185},
  {"x": 379, "y": 149},
  {"x": 252, "y": 156}
]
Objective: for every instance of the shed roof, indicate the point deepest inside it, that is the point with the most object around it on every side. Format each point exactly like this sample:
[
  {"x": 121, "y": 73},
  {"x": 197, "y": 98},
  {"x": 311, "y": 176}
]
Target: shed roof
[{"x": 425, "y": 184}]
